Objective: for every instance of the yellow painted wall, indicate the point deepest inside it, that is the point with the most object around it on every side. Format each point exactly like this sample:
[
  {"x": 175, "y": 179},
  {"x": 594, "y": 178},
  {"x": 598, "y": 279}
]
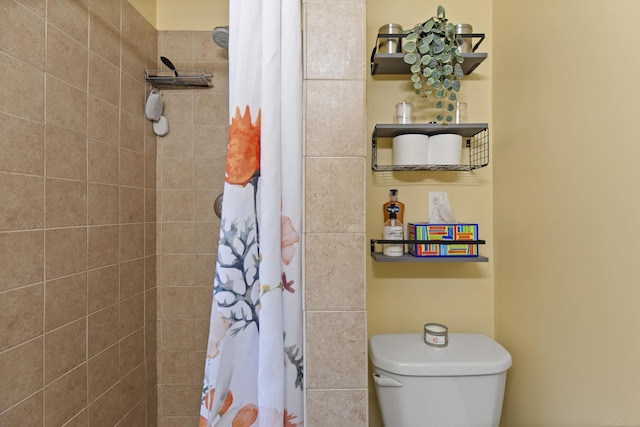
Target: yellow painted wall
[
  {"x": 192, "y": 15},
  {"x": 147, "y": 8},
  {"x": 566, "y": 209},
  {"x": 402, "y": 297}
]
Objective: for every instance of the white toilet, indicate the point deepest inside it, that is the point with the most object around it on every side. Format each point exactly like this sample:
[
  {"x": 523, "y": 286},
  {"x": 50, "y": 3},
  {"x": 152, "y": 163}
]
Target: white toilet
[{"x": 460, "y": 385}]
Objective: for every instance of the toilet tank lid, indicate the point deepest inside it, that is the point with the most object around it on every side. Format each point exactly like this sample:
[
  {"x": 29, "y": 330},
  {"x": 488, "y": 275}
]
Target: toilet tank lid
[{"x": 466, "y": 354}]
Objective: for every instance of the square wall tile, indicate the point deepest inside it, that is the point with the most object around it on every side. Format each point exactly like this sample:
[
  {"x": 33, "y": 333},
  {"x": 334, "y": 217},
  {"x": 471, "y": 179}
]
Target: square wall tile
[
  {"x": 67, "y": 58},
  {"x": 335, "y": 272},
  {"x": 21, "y": 370},
  {"x": 103, "y": 121},
  {"x": 330, "y": 408},
  {"x": 66, "y": 251},
  {"x": 21, "y": 259},
  {"x": 323, "y": 176},
  {"x": 21, "y": 315},
  {"x": 25, "y": 96},
  {"x": 335, "y": 118},
  {"x": 64, "y": 349},
  {"x": 60, "y": 406},
  {"x": 21, "y": 202},
  {"x": 336, "y": 350},
  {"x": 23, "y": 33},
  {"x": 72, "y": 17},
  {"x": 103, "y": 288},
  {"x": 66, "y": 106},
  {"x": 28, "y": 412},
  {"x": 65, "y": 203},
  {"x": 339, "y": 53},
  {"x": 105, "y": 39},
  {"x": 22, "y": 145},
  {"x": 66, "y": 154},
  {"x": 65, "y": 300}
]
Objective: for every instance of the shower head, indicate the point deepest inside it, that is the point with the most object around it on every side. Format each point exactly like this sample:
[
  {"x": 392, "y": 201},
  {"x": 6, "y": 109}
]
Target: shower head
[{"x": 221, "y": 36}]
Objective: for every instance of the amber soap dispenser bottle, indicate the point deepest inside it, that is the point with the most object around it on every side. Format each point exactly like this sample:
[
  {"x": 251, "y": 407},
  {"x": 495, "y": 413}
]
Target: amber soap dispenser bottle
[{"x": 393, "y": 205}]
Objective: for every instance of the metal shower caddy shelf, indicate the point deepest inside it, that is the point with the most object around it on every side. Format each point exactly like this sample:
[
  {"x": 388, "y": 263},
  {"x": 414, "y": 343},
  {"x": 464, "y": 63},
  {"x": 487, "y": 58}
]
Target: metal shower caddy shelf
[
  {"x": 476, "y": 135},
  {"x": 185, "y": 79}
]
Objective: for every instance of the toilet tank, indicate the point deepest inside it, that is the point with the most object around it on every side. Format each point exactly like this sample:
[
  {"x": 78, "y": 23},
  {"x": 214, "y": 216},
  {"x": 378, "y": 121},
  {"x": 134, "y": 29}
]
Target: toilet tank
[{"x": 421, "y": 386}]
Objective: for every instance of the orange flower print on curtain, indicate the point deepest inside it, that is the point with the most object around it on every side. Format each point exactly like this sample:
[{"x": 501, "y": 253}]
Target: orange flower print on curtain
[{"x": 243, "y": 152}]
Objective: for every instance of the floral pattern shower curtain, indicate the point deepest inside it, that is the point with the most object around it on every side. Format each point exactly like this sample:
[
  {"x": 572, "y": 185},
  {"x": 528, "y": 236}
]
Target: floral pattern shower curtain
[{"x": 254, "y": 365}]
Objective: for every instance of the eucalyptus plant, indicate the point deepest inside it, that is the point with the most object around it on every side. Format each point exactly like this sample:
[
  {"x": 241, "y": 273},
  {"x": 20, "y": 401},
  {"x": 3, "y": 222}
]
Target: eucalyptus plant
[{"x": 432, "y": 51}]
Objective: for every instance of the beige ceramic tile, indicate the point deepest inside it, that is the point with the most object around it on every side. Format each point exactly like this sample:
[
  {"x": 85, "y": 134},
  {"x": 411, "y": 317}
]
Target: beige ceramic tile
[
  {"x": 21, "y": 202},
  {"x": 105, "y": 39},
  {"x": 177, "y": 237},
  {"x": 103, "y": 372},
  {"x": 105, "y": 410},
  {"x": 327, "y": 368},
  {"x": 322, "y": 195},
  {"x": 180, "y": 399},
  {"x": 109, "y": 10},
  {"x": 131, "y": 204},
  {"x": 209, "y": 172},
  {"x": 67, "y": 59},
  {"x": 133, "y": 59},
  {"x": 28, "y": 412},
  {"x": 136, "y": 416},
  {"x": 131, "y": 278},
  {"x": 24, "y": 96},
  {"x": 101, "y": 330},
  {"x": 150, "y": 205},
  {"x": 339, "y": 53},
  {"x": 60, "y": 406},
  {"x": 203, "y": 201},
  {"x": 21, "y": 370},
  {"x": 131, "y": 241},
  {"x": 66, "y": 106},
  {"x": 79, "y": 420},
  {"x": 150, "y": 239},
  {"x": 102, "y": 288},
  {"x": 150, "y": 272},
  {"x": 104, "y": 79},
  {"x": 177, "y": 270},
  {"x": 329, "y": 408},
  {"x": 65, "y": 203},
  {"x": 177, "y": 173},
  {"x": 177, "y": 302},
  {"x": 177, "y": 367},
  {"x": 21, "y": 259},
  {"x": 21, "y": 315},
  {"x": 70, "y": 17},
  {"x": 22, "y": 145},
  {"x": 203, "y": 270},
  {"x": 23, "y": 33},
  {"x": 65, "y": 300},
  {"x": 211, "y": 109},
  {"x": 103, "y": 245},
  {"x": 335, "y": 272},
  {"x": 64, "y": 349},
  {"x": 132, "y": 132},
  {"x": 211, "y": 141},
  {"x": 136, "y": 27},
  {"x": 131, "y": 352},
  {"x": 150, "y": 172},
  {"x": 131, "y": 314},
  {"x": 335, "y": 121},
  {"x": 179, "y": 108},
  {"x": 203, "y": 298},
  {"x": 66, "y": 154},
  {"x": 132, "y": 97},
  {"x": 103, "y": 121},
  {"x": 103, "y": 163},
  {"x": 206, "y": 236},
  {"x": 66, "y": 251},
  {"x": 39, "y": 7},
  {"x": 178, "y": 143},
  {"x": 132, "y": 389},
  {"x": 177, "y": 205},
  {"x": 102, "y": 204},
  {"x": 177, "y": 45},
  {"x": 205, "y": 49},
  {"x": 131, "y": 168},
  {"x": 177, "y": 335}
]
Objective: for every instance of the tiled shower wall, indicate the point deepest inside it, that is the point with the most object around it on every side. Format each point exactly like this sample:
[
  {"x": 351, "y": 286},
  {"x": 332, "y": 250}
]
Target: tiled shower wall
[
  {"x": 77, "y": 216},
  {"x": 335, "y": 163},
  {"x": 191, "y": 163}
]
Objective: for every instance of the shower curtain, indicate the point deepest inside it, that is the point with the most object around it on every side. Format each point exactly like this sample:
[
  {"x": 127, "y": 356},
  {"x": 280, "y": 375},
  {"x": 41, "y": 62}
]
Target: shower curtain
[{"x": 254, "y": 365}]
